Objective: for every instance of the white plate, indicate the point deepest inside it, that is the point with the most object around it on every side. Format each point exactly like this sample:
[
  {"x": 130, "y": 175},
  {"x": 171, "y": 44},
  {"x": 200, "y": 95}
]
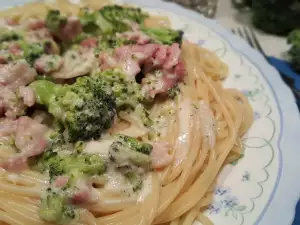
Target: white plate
[{"x": 263, "y": 187}]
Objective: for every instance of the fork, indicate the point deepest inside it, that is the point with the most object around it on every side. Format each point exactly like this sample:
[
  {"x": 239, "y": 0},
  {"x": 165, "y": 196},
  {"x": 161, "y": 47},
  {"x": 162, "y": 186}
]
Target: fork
[{"x": 248, "y": 34}]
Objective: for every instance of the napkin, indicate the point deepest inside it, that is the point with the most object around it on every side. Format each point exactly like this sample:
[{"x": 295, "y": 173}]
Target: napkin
[{"x": 291, "y": 78}]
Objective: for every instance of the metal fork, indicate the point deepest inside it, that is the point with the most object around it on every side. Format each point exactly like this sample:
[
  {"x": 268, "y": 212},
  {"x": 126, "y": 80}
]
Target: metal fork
[{"x": 248, "y": 34}]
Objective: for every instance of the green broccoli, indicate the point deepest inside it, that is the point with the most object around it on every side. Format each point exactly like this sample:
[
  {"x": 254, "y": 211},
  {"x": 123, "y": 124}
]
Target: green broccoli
[
  {"x": 126, "y": 92},
  {"x": 62, "y": 158},
  {"x": 111, "y": 41},
  {"x": 85, "y": 110},
  {"x": 173, "y": 92},
  {"x": 94, "y": 22},
  {"x": 135, "y": 179},
  {"x": 127, "y": 150},
  {"x": 53, "y": 208},
  {"x": 74, "y": 165},
  {"x": 117, "y": 15},
  {"x": 54, "y": 20},
  {"x": 294, "y": 51},
  {"x": 164, "y": 35},
  {"x": 9, "y": 35},
  {"x": 143, "y": 114},
  {"x": 110, "y": 19},
  {"x": 32, "y": 51}
]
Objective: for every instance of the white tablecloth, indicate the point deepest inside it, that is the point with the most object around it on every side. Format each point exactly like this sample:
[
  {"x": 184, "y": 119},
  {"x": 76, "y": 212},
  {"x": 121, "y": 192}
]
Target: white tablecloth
[{"x": 232, "y": 18}]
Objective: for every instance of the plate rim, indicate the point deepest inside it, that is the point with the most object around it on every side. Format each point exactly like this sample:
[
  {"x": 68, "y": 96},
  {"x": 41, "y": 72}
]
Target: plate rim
[{"x": 285, "y": 104}]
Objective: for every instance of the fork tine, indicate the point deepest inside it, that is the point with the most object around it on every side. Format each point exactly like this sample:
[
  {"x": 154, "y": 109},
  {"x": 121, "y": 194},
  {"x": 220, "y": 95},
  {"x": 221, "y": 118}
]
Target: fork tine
[
  {"x": 248, "y": 38},
  {"x": 233, "y": 30},
  {"x": 240, "y": 32},
  {"x": 256, "y": 41}
]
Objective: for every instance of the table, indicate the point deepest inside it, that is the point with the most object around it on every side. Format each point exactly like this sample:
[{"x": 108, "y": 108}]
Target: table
[{"x": 232, "y": 18}]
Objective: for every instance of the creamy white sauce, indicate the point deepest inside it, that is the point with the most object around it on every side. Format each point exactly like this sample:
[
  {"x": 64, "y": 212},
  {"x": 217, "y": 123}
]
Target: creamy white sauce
[
  {"x": 147, "y": 188},
  {"x": 208, "y": 124},
  {"x": 98, "y": 147},
  {"x": 183, "y": 138}
]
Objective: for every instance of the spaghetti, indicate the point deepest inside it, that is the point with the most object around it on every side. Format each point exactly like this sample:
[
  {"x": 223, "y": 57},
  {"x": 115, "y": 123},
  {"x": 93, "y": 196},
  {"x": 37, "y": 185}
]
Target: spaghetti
[{"x": 204, "y": 130}]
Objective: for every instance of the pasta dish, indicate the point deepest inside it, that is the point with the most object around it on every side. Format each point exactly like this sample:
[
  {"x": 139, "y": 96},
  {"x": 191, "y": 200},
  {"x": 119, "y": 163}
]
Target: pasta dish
[{"x": 108, "y": 116}]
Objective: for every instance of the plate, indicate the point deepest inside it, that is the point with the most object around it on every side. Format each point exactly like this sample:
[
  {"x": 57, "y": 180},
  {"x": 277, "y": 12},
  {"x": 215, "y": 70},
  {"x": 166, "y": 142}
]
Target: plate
[{"x": 262, "y": 187}]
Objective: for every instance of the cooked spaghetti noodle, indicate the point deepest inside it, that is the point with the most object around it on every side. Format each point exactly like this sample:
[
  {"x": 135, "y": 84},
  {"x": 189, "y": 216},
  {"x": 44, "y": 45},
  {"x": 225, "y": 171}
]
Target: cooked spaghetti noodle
[{"x": 203, "y": 125}]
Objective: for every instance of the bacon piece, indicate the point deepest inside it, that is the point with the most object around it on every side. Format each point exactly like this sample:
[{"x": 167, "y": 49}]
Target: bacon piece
[
  {"x": 8, "y": 127},
  {"x": 75, "y": 64},
  {"x": 89, "y": 42},
  {"x": 14, "y": 48},
  {"x": 70, "y": 29},
  {"x": 29, "y": 139},
  {"x": 11, "y": 105},
  {"x": 137, "y": 36},
  {"x": 48, "y": 63},
  {"x": 17, "y": 74},
  {"x": 61, "y": 181},
  {"x": 28, "y": 95},
  {"x": 173, "y": 53},
  {"x": 160, "y": 155},
  {"x": 35, "y": 24}
]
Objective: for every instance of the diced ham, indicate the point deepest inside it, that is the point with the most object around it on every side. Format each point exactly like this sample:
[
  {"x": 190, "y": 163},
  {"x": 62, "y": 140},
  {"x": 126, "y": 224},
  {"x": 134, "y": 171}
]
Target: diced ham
[
  {"x": 8, "y": 127},
  {"x": 61, "y": 181},
  {"x": 137, "y": 36},
  {"x": 28, "y": 95},
  {"x": 160, "y": 56},
  {"x": 27, "y": 130},
  {"x": 3, "y": 57},
  {"x": 152, "y": 58},
  {"x": 38, "y": 35},
  {"x": 14, "y": 48},
  {"x": 80, "y": 197},
  {"x": 84, "y": 193},
  {"x": 30, "y": 140},
  {"x": 75, "y": 64},
  {"x": 48, "y": 63},
  {"x": 16, "y": 74},
  {"x": 11, "y": 105},
  {"x": 11, "y": 22},
  {"x": 35, "y": 24},
  {"x": 173, "y": 54},
  {"x": 160, "y": 155},
  {"x": 107, "y": 61},
  {"x": 70, "y": 29},
  {"x": 89, "y": 42}
]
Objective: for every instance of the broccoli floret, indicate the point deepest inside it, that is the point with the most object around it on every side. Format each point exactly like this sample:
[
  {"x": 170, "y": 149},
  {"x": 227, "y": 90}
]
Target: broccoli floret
[
  {"x": 86, "y": 164},
  {"x": 10, "y": 35},
  {"x": 111, "y": 41},
  {"x": 31, "y": 51},
  {"x": 54, "y": 209},
  {"x": 116, "y": 13},
  {"x": 54, "y": 20},
  {"x": 85, "y": 110},
  {"x": 135, "y": 179},
  {"x": 127, "y": 150},
  {"x": 121, "y": 17},
  {"x": 94, "y": 22},
  {"x": 164, "y": 35},
  {"x": 143, "y": 114},
  {"x": 70, "y": 164},
  {"x": 173, "y": 92},
  {"x": 110, "y": 19},
  {"x": 126, "y": 92}
]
